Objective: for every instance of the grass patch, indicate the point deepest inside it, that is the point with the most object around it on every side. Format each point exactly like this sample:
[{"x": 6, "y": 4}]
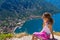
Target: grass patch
[{"x": 4, "y": 36}]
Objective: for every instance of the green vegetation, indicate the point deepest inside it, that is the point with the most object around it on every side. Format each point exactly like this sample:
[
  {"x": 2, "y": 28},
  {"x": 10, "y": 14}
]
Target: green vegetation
[
  {"x": 5, "y": 23},
  {"x": 4, "y": 36}
]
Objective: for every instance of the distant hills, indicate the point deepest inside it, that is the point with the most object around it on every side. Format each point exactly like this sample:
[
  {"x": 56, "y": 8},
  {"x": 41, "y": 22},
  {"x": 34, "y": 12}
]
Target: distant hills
[{"x": 24, "y": 8}]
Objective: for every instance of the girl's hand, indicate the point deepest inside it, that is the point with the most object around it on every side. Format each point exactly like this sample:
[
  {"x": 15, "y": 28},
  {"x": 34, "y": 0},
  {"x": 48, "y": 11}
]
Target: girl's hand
[{"x": 54, "y": 39}]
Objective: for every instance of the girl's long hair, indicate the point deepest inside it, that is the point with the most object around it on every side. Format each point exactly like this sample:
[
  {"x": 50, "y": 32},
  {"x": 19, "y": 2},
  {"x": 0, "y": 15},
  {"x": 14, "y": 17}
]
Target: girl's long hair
[{"x": 48, "y": 15}]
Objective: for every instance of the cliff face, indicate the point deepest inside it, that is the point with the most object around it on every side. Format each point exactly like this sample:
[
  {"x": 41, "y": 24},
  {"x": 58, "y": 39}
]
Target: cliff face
[{"x": 24, "y": 8}]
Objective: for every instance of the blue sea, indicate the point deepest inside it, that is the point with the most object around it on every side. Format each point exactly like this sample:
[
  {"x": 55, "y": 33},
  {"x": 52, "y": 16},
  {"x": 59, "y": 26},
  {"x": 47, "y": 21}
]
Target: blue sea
[{"x": 35, "y": 25}]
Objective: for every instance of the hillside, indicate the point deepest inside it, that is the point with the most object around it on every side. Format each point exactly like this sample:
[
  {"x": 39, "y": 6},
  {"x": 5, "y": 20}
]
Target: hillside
[{"x": 18, "y": 9}]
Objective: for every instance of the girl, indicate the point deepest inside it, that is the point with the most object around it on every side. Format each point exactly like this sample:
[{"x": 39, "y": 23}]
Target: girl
[{"x": 47, "y": 28}]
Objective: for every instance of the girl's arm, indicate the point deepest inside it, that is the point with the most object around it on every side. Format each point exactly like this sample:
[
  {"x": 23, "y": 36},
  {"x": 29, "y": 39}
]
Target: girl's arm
[{"x": 51, "y": 31}]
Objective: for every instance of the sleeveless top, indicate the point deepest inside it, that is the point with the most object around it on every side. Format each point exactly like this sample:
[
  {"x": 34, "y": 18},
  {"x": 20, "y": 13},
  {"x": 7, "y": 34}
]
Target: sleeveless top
[{"x": 46, "y": 29}]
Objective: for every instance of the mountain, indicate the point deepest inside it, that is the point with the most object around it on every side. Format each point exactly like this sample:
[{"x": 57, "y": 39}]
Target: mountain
[{"x": 24, "y": 8}]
